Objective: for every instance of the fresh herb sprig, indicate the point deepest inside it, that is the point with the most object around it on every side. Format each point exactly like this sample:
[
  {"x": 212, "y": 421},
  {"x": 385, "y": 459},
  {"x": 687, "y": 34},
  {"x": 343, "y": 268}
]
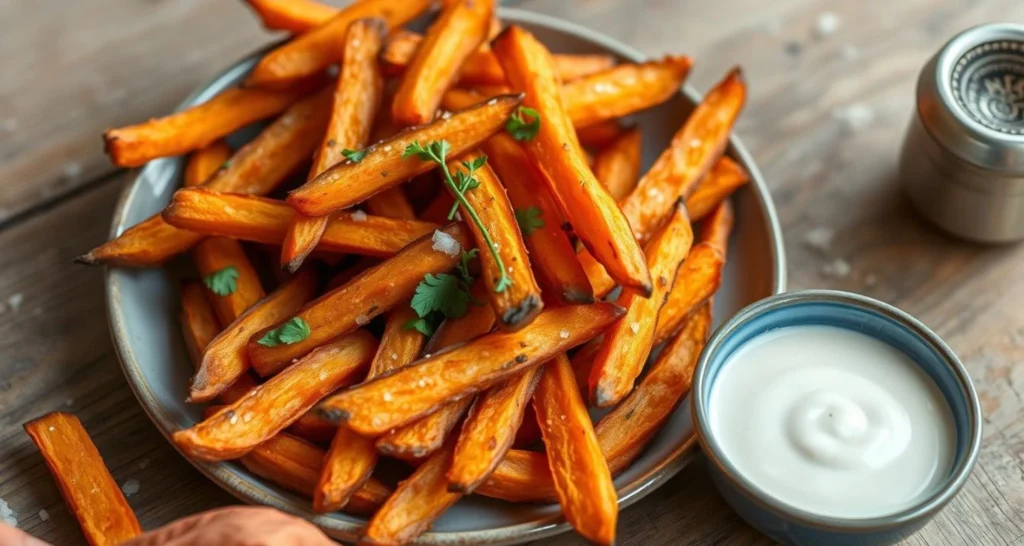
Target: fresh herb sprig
[
  {"x": 291, "y": 332},
  {"x": 437, "y": 152},
  {"x": 222, "y": 282},
  {"x": 523, "y": 124},
  {"x": 442, "y": 296},
  {"x": 529, "y": 219}
]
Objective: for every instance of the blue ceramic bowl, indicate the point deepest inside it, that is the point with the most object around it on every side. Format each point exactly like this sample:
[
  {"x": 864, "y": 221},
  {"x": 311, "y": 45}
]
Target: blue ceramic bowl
[{"x": 884, "y": 322}]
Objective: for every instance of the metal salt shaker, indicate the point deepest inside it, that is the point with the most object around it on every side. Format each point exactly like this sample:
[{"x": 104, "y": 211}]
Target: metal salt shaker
[{"x": 962, "y": 161}]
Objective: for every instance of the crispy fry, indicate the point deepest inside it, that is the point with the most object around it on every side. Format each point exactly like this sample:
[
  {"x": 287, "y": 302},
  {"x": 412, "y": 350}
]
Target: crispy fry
[
  {"x": 599, "y": 223},
  {"x": 225, "y": 359},
  {"x": 295, "y": 465},
  {"x": 296, "y": 16},
  {"x": 693, "y": 151},
  {"x": 279, "y": 402},
  {"x": 89, "y": 490},
  {"x": 377, "y": 406},
  {"x": 312, "y": 428},
  {"x": 315, "y": 50},
  {"x": 618, "y": 165},
  {"x": 599, "y": 135},
  {"x": 373, "y": 292},
  {"x": 573, "y": 67},
  {"x": 399, "y": 345},
  {"x": 357, "y": 97},
  {"x": 623, "y": 90},
  {"x": 460, "y": 29},
  {"x": 236, "y": 390},
  {"x": 626, "y": 430},
  {"x": 384, "y": 166},
  {"x": 198, "y": 126},
  {"x": 582, "y": 480},
  {"x": 256, "y": 168},
  {"x": 524, "y": 476},
  {"x": 596, "y": 274},
  {"x": 628, "y": 343},
  {"x": 264, "y": 220},
  {"x": 696, "y": 281},
  {"x": 204, "y": 162},
  {"x": 518, "y": 303},
  {"x": 215, "y": 254},
  {"x": 416, "y": 503},
  {"x": 717, "y": 227},
  {"x": 489, "y": 431},
  {"x": 725, "y": 177},
  {"x": 199, "y": 325},
  {"x": 391, "y": 203}
]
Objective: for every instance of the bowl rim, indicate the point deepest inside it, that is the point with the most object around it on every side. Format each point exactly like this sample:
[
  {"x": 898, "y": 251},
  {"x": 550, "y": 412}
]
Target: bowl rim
[
  {"x": 920, "y": 511},
  {"x": 242, "y": 486}
]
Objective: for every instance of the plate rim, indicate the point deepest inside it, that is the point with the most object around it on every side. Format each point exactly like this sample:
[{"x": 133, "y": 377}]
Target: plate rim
[{"x": 231, "y": 479}]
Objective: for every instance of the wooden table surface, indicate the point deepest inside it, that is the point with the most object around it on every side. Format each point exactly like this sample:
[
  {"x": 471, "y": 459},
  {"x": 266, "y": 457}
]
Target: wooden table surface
[{"x": 824, "y": 121}]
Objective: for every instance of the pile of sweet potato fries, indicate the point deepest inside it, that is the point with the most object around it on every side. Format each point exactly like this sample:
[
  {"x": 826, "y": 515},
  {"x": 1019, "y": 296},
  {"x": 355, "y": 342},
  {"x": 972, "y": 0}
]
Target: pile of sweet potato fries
[{"x": 445, "y": 267}]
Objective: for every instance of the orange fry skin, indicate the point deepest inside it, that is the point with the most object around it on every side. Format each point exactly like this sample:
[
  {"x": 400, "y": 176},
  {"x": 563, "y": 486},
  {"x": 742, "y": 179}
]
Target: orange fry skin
[
  {"x": 628, "y": 343},
  {"x": 489, "y": 431},
  {"x": 623, "y": 90},
  {"x": 717, "y": 227},
  {"x": 199, "y": 324},
  {"x": 697, "y": 280},
  {"x": 295, "y": 465},
  {"x": 460, "y": 29},
  {"x": 204, "y": 162},
  {"x": 618, "y": 165},
  {"x": 417, "y": 502},
  {"x": 601, "y": 226},
  {"x": 357, "y": 97},
  {"x": 225, "y": 359},
  {"x": 296, "y": 16},
  {"x": 263, "y": 220},
  {"x": 384, "y": 166},
  {"x": 582, "y": 480},
  {"x": 279, "y": 402},
  {"x": 215, "y": 254},
  {"x": 693, "y": 151},
  {"x": 519, "y": 302},
  {"x": 377, "y": 406},
  {"x": 371, "y": 293},
  {"x": 312, "y": 428},
  {"x": 315, "y": 50},
  {"x": 89, "y": 490},
  {"x": 391, "y": 203},
  {"x": 725, "y": 177},
  {"x": 599, "y": 135}
]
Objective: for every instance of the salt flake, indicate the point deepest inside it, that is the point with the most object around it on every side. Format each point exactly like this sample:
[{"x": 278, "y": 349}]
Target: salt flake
[
  {"x": 826, "y": 25},
  {"x": 358, "y": 216},
  {"x": 44, "y": 515},
  {"x": 130, "y": 487},
  {"x": 635, "y": 327},
  {"x": 564, "y": 334},
  {"x": 446, "y": 244}
]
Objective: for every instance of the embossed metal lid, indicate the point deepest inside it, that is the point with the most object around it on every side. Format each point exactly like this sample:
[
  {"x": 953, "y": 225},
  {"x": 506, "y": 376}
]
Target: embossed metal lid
[{"x": 970, "y": 96}]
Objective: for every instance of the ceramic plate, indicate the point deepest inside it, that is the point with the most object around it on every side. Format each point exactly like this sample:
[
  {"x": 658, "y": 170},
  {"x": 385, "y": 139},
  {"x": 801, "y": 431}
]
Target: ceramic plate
[{"x": 143, "y": 312}]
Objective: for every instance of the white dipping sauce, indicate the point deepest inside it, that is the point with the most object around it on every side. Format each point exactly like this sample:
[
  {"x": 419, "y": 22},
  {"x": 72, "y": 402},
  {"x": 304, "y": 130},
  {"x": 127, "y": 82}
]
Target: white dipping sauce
[{"x": 832, "y": 421}]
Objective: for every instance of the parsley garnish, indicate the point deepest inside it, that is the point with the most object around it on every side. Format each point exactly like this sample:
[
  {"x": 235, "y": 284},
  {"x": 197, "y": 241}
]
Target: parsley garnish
[
  {"x": 466, "y": 180},
  {"x": 293, "y": 331},
  {"x": 523, "y": 124},
  {"x": 223, "y": 282},
  {"x": 529, "y": 219},
  {"x": 442, "y": 296},
  {"x": 425, "y": 325},
  {"x": 437, "y": 152},
  {"x": 226, "y": 164},
  {"x": 355, "y": 156}
]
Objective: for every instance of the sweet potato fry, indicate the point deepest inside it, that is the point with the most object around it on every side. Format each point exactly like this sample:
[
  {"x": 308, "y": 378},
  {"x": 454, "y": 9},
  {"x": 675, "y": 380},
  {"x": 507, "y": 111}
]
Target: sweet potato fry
[
  {"x": 529, "y": 432},
  {"x": 437, "y": 210},
  {"x": 373, "y": 292},
  {"x": 312, "y": 428},
  {"x": 89, "y": 490},
  {"x": 416, "y": 503},
  {"x": 599, "y": 135},
  {"x": 264, "y": 220},
  {"x": 204, "y": 162},
  {"x": 315, "y": 50},
  {"x": 256, "y": 168},
  {"x": 279, "y": 402},
  {"x": 377, "y": 406},
  {"x": 524, "y": 476},
  {"x": 296, "y": 16},
  {"x": 213, "y": 256},
  {"x": 618, "y": 165},
  {"x": 573, "y": 67},
  {"x": 628, "y": 343},
  {"x": 199, "y": 325},
  {"x": 517, "y": 302},
  {"x": 357, "y": 97},
  {"x": 460, "y": 29},
  {"x": 725, "y": 177},
  {"x": 391, "y": 203},
  {"x": 384, "y": 166},
  {"x": 696, "y": 281},
  {"x": 623, "y": 90},
  {"x": 489, "y": 431},
  {"x": 225, "y": 359},
  {"x": 689, "y": 157},
  {"x": 295, "y": 465},
  {"x": 600, "y": 224},
  {"x": 627, "y": 429},
  {"x": 236, "y": 390},
  {"x": 582, "y": 480},
  {"x": 716, "y": 228}
]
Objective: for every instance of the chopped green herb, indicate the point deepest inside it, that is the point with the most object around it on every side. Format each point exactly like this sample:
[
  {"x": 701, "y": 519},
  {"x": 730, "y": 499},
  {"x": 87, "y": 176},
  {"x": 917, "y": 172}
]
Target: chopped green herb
[
  {"x": 464, "y": 265},
  {"x": 425, "y": 325},
  {"x": 355, "y": 156},
  {"x": 523, "y": 124},
  {"x": 529, "y": 219},
  {"x": 293, "y": 331},
  {"x": 444, "y": 293},
  {"x": 226, "y": 164},
  {"x": 223, "y": 282}
]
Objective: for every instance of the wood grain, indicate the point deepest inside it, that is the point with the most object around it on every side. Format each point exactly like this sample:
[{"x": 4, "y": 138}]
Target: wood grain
[{"x": 824, "y": 122}]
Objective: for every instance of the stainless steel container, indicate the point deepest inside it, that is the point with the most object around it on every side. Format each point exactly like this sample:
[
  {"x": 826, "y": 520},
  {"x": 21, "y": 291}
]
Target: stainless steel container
[{"x": 962, "y": 161}]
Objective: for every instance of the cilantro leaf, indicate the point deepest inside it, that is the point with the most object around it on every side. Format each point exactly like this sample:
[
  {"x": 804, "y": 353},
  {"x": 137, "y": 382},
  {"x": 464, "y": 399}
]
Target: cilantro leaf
[
  {"x": 444, "y": 293},
  {"x": 424, "y": 325},
  {"x": 523, "y": 124},
  {"x": 223, "y": 282},
  {"x": 416, "y": 150},
  {"x": 291, "y": 332},
  {"x": 355, "y": 156},
  {"x": 529, "y": 219}
]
